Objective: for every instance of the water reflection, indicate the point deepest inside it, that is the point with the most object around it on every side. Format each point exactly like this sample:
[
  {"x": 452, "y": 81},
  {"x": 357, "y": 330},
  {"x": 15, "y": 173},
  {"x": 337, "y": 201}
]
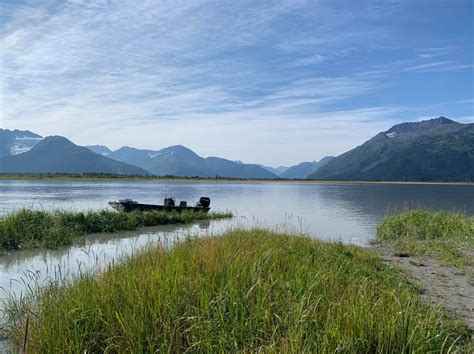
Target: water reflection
[{"x": 349, "y": 212}]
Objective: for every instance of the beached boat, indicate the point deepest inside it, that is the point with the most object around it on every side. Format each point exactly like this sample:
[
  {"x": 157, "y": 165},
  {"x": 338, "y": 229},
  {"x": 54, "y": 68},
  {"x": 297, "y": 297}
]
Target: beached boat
[{"x": 169, "y": 204}]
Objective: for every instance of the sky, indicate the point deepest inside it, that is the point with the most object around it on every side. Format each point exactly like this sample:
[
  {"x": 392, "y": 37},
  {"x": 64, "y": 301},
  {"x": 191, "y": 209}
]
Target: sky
[{"x": 272, "y": 82}]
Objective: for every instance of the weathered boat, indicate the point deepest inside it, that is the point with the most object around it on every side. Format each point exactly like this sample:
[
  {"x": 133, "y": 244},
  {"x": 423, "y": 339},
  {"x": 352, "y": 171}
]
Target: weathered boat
[{"x": 169, "y": 204}]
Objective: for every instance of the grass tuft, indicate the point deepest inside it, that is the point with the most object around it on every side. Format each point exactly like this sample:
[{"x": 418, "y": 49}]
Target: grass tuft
[
  {"x": 245, "y": 291},
  {"x": 36, "y": 228},
  {"x": 448, "y": 237}
]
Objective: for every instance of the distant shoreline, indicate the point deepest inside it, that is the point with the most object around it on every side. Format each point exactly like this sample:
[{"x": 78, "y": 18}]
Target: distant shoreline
[{"x": 211, "y": 179}]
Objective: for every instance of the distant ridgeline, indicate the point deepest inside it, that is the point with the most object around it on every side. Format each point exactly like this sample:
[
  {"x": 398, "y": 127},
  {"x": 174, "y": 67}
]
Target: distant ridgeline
[{"x": 432, "y": 150}]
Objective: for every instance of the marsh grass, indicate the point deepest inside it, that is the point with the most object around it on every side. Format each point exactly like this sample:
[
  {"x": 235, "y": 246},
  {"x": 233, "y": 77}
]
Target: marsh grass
[
  {"x": 448, "y": 237},
  {"x": 244, "y": 291},
  {"x": 36, "y": 228}
]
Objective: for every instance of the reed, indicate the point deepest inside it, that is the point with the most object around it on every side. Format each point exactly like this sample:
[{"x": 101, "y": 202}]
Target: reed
[
  {"x": 36, "y": 228},
  {"x": 244, "y": 291},
  {"x": 448, "y": 237}
]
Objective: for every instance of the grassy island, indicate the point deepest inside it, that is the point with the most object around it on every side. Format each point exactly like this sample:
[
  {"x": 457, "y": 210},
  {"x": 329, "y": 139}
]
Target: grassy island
[
  {"x": 35, "y": 228},
  {"x": 244, "y": 291},
  {"x": 448, "y": 237}
]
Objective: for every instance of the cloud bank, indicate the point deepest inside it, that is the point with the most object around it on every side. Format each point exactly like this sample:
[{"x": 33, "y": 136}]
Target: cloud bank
[{"x": 270, "y": 82}]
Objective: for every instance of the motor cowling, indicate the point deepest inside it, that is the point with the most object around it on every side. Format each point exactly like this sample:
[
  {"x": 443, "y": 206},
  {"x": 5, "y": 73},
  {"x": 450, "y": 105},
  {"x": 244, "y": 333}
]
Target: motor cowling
[
  {"x": 204, "y": 202},
  {"x": 169, "y": 202}
]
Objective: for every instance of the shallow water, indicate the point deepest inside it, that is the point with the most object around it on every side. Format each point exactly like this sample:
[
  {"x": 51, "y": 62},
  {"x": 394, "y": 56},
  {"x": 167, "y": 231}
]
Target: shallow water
[{"x": 330, "y": 211}]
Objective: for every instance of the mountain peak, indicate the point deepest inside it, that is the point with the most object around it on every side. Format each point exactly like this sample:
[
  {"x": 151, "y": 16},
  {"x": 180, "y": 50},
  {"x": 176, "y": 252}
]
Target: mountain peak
[
  {"x": 429, "y": 126},
  {"x": 55, "y": 140},
  {"x": 20, "y": 133},
  {"x": 126, "y": 148},
  {"x": 443, "y": 119},
  {"x": 178, "y": 150},
  {"x": 438, "y": 121}
]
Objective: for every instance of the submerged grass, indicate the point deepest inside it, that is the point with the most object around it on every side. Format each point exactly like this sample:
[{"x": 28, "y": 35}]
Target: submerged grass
[
  {"x": 245, "y": 291},
  {"x": 35, "y": 228},
  {"x": 448, "y": 237}
]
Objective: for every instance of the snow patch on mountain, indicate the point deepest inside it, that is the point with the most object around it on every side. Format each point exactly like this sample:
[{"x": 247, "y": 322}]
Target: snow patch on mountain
[
  {"x": 23, "y": 144},
  {"x": 152, "y": 155},
  {"x": 391, "y": 135}
]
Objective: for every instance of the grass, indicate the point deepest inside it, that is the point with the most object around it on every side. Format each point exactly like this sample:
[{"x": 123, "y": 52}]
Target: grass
[
  {"x": 447, "y": 237},
  {"x": 35, "y": 228},
  {"x": 244, "y": 291}
]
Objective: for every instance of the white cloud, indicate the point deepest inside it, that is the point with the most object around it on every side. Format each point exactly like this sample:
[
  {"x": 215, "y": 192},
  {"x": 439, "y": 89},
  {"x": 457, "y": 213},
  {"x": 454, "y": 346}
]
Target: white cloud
[
  {"x": 438, "y": 66},
  {"x": 237, "y": 79}
]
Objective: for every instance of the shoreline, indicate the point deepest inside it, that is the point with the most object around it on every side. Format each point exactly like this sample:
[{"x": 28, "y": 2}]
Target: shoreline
[
  {"x": 221, "y": 180},
  {"x": 439, "y": 288},
  {"x": 440, "y": 283},
  {"x": 122, "y": 300}
]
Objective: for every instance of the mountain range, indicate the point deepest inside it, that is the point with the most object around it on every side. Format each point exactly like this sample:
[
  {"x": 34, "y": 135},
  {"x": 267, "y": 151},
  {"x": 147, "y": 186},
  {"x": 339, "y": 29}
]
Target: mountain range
[
  {"x": 432, "y": 150},
  {"x": 304, "y": 169},
  {"x": 181, "y": 161},
  {"x": 26, "y": 152},
  {"x": 56, "y": 154}
]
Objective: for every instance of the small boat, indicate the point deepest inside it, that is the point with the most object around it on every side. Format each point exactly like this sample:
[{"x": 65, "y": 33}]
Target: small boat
[{"x": 169, "y": 204}]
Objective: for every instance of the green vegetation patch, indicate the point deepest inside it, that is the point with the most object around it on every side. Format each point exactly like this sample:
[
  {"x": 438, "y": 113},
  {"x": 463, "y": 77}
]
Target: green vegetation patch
[
  {"x": 448, "y": 237},
  {"x": 33, "y": 228},
  {"x": 245, "y": 291}
]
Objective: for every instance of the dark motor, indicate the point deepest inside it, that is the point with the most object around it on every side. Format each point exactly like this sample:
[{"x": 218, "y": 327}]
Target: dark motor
[
  {"x": 169, "y": 202},
  {"x": 204, "y": 202}
]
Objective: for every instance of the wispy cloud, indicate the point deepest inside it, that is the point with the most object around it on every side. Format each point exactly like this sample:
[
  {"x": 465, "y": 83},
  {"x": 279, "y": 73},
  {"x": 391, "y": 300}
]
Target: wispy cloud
[
  {"x": 439, "y": 66},
  {"x": 221, "y": 77},
  {"x": 435, "y": 52}
]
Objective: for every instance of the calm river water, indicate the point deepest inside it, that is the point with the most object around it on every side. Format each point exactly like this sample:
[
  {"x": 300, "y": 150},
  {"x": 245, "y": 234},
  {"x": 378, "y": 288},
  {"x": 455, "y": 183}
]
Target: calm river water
[
  {"x": 330, "y": 211},
  {"x": 347, "y": 212}
]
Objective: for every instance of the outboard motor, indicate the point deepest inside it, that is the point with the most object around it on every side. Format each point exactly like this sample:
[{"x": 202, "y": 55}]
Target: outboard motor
[
  {"x": 204, "y": 202},
  {"x": 169, "y": 202}
]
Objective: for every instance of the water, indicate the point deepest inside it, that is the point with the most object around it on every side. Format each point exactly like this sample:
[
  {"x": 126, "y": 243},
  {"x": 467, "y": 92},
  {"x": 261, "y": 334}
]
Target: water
[
  {"x": 330, "y": 211},
  {"x": 349, "y": 212}
]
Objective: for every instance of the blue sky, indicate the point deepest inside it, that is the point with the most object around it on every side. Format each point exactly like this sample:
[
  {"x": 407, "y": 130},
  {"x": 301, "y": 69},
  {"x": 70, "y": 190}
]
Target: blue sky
[{"x": 274, "y": 82}]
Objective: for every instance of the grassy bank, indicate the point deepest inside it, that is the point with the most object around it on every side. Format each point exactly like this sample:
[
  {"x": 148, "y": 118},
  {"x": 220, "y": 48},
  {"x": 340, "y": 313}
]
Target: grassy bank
[
  {"x": 448, "y": 237},
  {"x": 32, "y": 228},
  {"x": 244, "y": 291}
]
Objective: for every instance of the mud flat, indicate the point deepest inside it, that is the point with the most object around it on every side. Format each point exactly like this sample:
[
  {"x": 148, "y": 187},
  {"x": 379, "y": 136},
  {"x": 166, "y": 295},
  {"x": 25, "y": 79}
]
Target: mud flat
[
  {"x": 441, "y": 284},
  {"x": 436, "y": 250}
]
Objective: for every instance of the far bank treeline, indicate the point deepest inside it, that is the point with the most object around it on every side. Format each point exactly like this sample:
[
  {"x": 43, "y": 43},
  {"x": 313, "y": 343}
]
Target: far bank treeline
[{"x": 436, "y": 150}]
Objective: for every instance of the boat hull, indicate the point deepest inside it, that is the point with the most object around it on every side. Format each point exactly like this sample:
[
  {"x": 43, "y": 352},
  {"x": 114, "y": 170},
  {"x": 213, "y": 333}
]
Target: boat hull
[{"x": 128, "y": 207}]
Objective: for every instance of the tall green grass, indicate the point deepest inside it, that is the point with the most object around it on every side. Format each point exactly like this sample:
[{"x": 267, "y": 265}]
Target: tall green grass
[
  {"x": 245, "y": 291},
  {"x": 448, "y": 237},
  {"x": 35, "y": 228}
]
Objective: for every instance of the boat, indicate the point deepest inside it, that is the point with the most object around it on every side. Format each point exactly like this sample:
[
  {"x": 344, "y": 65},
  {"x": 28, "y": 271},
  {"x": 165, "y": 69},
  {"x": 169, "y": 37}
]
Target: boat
[{"x": 128, "y": 205}]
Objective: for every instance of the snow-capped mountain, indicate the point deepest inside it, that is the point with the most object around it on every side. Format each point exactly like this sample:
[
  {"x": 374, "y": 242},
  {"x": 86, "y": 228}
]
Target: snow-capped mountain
[
  {"x": 15, "y": 142},
  {"x": 437, "y": 149}
]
